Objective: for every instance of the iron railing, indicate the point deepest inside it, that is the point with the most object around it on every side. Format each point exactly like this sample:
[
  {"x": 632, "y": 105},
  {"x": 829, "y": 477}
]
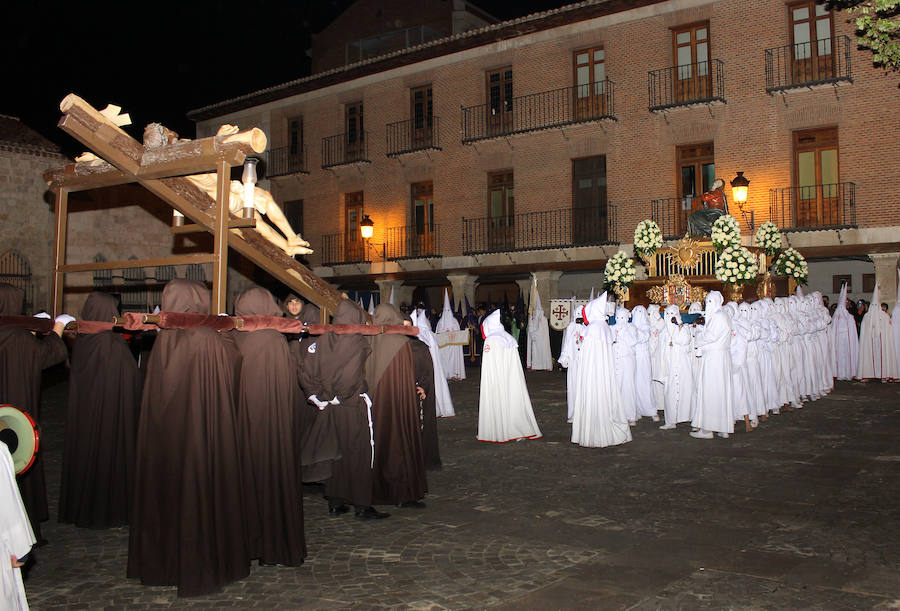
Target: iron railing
[
  {"x": 404, "y": 137},
  {"x": 826, "y": 206},
  {"x": 670, "y": 213},
  {"x": 341, "y": 150},
  {"x": 412, "y": 242},
  {"x": 546, "y": 109},
  {"x": 695, "y": 83},
  {"x": 283, "y": 162},
  {"x": 808, "y": 63},
  {"x": 560, "y": 228},
  {"x": 338, "y": 249}
]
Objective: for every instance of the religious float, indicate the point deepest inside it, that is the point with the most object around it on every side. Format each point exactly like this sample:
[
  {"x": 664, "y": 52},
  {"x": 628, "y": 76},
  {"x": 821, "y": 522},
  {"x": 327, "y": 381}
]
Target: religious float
[{"x": 710, "y": 256}]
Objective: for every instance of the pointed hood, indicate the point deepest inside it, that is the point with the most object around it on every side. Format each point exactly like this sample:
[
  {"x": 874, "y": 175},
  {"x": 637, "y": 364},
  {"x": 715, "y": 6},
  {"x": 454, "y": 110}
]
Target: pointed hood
[
  {"x": 100, "y": 306},
  {"x": 842, "y": 299},
  {"x": 714, "y": 302},
  {"x": 391, "y": 298},
  {"x": 448, "y": 309},
  {"x": 799, "y": 291},
  {"x": 256, "y": 301},
  {"x": 595, "y": 310},
  {"x": 591, "y": 298},
  {"x": 639, "y": 317},
  {"x": 492, "y": 329},
  {"x": 371, "y": 305},
  {"x": 538, "y": 309}
]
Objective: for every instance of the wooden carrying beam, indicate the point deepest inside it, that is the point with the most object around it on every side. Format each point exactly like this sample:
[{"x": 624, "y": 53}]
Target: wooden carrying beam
[{"x": 108, "y": 141}]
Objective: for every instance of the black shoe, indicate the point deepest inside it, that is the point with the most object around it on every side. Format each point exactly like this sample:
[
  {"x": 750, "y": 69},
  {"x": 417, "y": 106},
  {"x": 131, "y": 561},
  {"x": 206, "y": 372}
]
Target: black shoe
[
  {"x": 370, "y": 513},
  {"x": 276, "y": 564},
  {"x": 337, "y": 510},
  {"x": 412, "y": 505}
]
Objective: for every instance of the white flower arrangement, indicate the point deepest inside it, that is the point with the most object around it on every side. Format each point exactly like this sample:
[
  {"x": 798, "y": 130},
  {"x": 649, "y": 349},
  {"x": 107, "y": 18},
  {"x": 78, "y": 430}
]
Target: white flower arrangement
[
  {"x": 791, "y": 263},
  {"x": 768, "y": 237},
  {"x": 736, "y": 265},
  {"x": 619, "y": 270},
  {"x": 647, "y": 238},
  {"x": 725, "y": 232}
]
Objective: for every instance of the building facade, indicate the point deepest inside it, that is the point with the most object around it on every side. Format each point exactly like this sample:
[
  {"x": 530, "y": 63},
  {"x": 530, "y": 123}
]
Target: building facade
[{"x": 534, "y": 146}]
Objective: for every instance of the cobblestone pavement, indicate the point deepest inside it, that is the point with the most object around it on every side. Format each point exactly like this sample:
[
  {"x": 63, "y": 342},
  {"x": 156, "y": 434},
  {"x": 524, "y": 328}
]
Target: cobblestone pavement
[{"x": 801, "y": 513}]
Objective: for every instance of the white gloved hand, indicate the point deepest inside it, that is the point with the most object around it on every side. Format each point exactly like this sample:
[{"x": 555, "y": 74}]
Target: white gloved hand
[
  {"x": 223, "y": 313},
  {"x": 156, "y": 310},
  {"x": 319, "y": 403},
  {"x": 366, "y": 398},
  {"x": 335, "y": 401},
  {"x": 64, "y": 319},
  {"x": 43, "y": 315}
]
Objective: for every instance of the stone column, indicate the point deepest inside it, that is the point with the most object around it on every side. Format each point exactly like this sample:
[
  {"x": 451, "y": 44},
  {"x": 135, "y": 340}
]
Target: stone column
[
  {"x": 886, "y": 277},
  {"x": 463, "y": 287},
  {"x": 524, "y": 289},
  {"x": 548, "y": 287}
]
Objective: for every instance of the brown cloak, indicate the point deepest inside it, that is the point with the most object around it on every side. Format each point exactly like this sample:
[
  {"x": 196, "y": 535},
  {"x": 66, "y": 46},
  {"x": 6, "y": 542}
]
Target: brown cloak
[
  {"x": 101, "y": 425},
  {"x": 399, "y": 473},
  {"x": 268, "y": 395},
  {"x": 22, "y": 358},
  {"x": 188, "y": 526},
  {"x": 335, "y": 366},
  {"x": 424, "y": 370}
]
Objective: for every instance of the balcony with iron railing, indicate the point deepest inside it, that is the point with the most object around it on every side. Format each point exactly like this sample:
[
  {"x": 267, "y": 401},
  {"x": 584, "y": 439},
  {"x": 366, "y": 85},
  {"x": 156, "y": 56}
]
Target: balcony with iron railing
[
  {"x": 536, "y": 111},
  {"x": 808, "y": 63},
  {"x": 340, "y": 248},
  {"x": 562, "y": 228},
  {"x": 826, "y": 206},
  {"x": 410, "y": 136},
  {"x": 697, "y": 83},
  {"x": 412, "y": 242},
  {"x": 670, "y": 213},
  {"x": 285, "y": 161},
  {"x": 343, "y": 150}
]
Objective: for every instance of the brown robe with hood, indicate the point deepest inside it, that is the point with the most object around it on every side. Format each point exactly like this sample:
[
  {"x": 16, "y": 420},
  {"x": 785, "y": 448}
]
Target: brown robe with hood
[
  {"x": 268, "y": 395},
  {"x": 424, "y": 370},
  {"x": 399, "y": 473},
  {"x": 188, "y": 525},
  {"x": 101, "y": 424},
  {"x": 23, "y": 356},
  {"x": 335, "y": 366}
]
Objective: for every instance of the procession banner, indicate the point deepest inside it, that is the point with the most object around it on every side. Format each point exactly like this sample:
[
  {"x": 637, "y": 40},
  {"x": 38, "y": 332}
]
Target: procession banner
[
  {"x": 453, "y": 338},
  {"x": 561, "y": 312}
]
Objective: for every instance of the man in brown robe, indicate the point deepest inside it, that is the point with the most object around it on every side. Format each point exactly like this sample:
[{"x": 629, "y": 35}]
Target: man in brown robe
[
  {"x": 333, "y": 377},
  {"x": 101, "y": 424},
  {"x": 424, "y": 370},
  {"x": 23, "y": 355},
  {"x": 399, "y": 473},
  {"x": 188, "y": 525},
  {"x": 268, "y": 396}
]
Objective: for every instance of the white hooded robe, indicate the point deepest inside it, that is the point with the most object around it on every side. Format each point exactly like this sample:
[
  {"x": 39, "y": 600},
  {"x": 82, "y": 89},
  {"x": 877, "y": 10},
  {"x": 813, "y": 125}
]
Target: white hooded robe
[
  {"x": 846, "y": 341},
  {"x": 16, "y": 536},
  {"x": 568, "y": 358},
  {"x": 451, "y": 356},
  {"x": 675, "y": 346},
  {"x": 714, "y": 408},
  {"x": 643, "y": 390},
  {"x": 539, "y": 357},
  {"x": 877, "y": 355},
  {"x": 442, "y": 400}
]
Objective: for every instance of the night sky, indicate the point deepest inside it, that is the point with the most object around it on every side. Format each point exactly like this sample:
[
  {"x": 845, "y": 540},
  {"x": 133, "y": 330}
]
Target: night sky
[{"x": 160, "y": 60}]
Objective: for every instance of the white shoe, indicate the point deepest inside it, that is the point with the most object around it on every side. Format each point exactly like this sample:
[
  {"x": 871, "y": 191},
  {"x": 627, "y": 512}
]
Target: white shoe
[
  {"x": 667, "y": 427},
  {"x": 776, "y": 411},
  {"x": 701, "y": 434},
  {"x": 631, "y": 423},
  {"x": 754, "y": 423},
  {"x": 655, "y": 417},
  {"x": 722, "y": 435}
]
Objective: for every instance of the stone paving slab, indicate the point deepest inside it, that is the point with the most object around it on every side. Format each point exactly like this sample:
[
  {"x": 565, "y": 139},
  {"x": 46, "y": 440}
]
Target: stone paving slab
[{"x": 799, "y": 514}]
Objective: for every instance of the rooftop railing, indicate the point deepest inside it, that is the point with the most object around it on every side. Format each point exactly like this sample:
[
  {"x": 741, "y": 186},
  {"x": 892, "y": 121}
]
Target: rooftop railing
[
  {"x": 342, "y": 150},
  {"x": 410, "y": 136},
  {"x": 565, "y": 227},
  {"x": 808, "y": 63},
  {"x": 697, "y": 83},
  {"x": 536, "y": 111},
  {"x": 826, "y": 206}
]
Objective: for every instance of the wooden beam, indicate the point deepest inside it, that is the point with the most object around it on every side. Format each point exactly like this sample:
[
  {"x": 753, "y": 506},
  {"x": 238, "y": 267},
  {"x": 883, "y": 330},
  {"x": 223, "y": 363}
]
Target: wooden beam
[
  {"x": 232, "y": 224},
  {"x": 59, "y": 250},
  {"x": 132, "y": 263},
  {"x": 220, "y": 237},
  {"x": 84, "y": 176}
]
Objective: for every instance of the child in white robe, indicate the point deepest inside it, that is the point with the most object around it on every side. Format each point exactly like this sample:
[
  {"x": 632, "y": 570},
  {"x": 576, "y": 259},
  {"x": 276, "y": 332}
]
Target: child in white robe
[
  {"x": 877, "y": 355},
  {"x": 624, "y": 341},
  {"x": 740, "y": 331},
  {"x": 16, "y": 536},
  {"x": 451, "y": 356},
  {"x": 846, "y": 340},
  {"x": 568, "y": 358},
  {"x": 643, "y": 393},
  {"x": 442, "y": 400},
  {"x": 675, "y": 346},
  {"x": 657, "y": 368}
]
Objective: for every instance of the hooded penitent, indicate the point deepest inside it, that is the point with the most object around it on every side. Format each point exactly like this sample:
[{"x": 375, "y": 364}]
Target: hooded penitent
[
  {"x": 624, "y": 342},
  {"x": 714, "y": 401},
  {"x": 335, "y": 368},
  {"x": 538, "y": 356},
  {"x": 877, "y": 355},
  {"x": 441, "y": 390},
  {"x": 643, "y": 392},
  {"x": 569, "y": 356},
  {"x": 675, "y": 345},
  {"x": 599, "y": 419},
  {"x": 451, "y": 356},
  {"x": 895, "y": 321},
  {"x": 190, "y": 524},
  {"x": 268, "y": 394},
  {"x": 399, "y": 473},
  {"x": 429, "y": 378},
  {"x": 504, "y": 406},
  {"x": 101, "y": 425},
  {"x": 22, "y": 358},
  {"x": 292, "y": 301}
]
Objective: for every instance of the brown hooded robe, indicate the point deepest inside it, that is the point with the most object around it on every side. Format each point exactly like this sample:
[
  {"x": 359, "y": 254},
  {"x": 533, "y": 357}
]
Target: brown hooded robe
[
  {"x": 268, "y": 396},
  {"x": 188, "y": 526},
  {"x": 22, "y": 358},
  {"x": 399, "y": 473},
  {"x": 101, "y": 425},
  {"x": 335, "y": 366}
]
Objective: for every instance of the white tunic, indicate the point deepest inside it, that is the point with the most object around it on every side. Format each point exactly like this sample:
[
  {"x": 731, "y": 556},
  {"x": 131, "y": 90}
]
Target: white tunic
[
  {"x": 714, "y": 407},
  {"x": 624, "y": 342},
  {"x": 598, "y": 420},
  {"x": 443, "y": 401},
  {"x": 504, "y": 407},
  {"x": 643, "y": 393},
  {"x": 675, "y": 344},
  {"x": 451, "y": 356},
  {"x": 539, "y": 357},
  {"x": 877, "y": 355},
  {"x": 16, "y": 536},
  {"x": 657, "y": 368},
  {"x": 568, "y": 358}
]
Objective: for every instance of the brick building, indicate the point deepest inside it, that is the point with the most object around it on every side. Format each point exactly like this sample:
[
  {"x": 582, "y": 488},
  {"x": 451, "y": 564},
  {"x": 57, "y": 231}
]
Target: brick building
[{"x": 536, "y": 145}]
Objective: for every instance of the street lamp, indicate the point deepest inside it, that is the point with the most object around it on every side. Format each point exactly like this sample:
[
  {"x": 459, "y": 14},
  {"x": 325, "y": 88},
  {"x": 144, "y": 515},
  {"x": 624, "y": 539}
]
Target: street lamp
[
  {"x": 739, "y": 187},
  {"x": 249, "y": 179},
  {"x": 366, "y": 227}
]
